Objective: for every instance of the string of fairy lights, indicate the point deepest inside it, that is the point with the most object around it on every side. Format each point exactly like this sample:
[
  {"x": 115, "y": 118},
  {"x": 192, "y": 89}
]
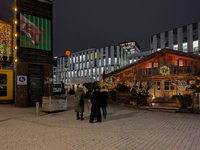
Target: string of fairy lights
[
  {"x": 5, "y": 39},
  {"x": 8, "y": 46}
]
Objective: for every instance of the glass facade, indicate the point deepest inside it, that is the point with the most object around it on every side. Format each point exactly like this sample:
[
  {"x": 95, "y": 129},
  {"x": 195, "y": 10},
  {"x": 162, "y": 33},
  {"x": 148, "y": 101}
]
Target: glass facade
[{"x": 89, "y": 64}]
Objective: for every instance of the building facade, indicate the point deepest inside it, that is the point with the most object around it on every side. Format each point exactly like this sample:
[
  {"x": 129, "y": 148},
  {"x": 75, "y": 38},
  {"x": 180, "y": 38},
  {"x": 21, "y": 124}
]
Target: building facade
[
  {"x": 185, "y": 38},
  {"x": 33, "y": 51},
  {"x": 89, "y": 63}
]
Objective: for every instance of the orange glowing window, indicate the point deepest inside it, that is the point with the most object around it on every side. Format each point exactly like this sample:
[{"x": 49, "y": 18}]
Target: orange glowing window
[
  {"x": 175, "y": 63},
  {"x": 155, "y": 64}
]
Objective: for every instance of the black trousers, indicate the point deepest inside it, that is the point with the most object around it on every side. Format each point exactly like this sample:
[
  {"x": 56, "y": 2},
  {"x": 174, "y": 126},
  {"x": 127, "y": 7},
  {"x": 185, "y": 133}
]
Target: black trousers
[{"x": 95, "y": 111}]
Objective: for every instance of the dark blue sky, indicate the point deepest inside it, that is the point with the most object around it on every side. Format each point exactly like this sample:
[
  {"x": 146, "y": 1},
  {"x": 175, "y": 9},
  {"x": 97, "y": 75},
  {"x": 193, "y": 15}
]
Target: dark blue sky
[{"x": 82, "y": 24}]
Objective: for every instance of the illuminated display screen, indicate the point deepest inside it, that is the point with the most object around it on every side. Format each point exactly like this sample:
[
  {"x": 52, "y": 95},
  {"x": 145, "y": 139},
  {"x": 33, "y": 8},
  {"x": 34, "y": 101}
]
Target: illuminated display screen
[
  {"x": 35, "y": 32},
  {"x": 5, "y": 39}
]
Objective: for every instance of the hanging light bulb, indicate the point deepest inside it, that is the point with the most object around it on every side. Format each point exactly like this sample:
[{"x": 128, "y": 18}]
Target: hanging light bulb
[{"x": 15, "y": 8}]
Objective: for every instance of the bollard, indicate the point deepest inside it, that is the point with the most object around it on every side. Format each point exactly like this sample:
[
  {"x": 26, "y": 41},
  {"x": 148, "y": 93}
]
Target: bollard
[{"x": 37, "y": 109}]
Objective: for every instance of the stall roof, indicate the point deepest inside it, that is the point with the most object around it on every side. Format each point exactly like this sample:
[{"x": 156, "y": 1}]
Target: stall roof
[{"x": 162, "y": 51}]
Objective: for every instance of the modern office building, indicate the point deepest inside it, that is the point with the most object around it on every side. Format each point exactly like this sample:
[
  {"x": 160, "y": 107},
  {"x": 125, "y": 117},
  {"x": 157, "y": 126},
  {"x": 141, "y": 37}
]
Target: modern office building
[
  {"x": 133, "y": 50},
  {"x": 185, "y": 38},
  {"x": 89, "y": 63},
  {"x": 92, "y": 62}
]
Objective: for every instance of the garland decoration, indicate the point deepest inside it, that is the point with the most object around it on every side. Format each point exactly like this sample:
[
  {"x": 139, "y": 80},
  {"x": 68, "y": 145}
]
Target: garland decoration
[{"x": 164, "y": 70}]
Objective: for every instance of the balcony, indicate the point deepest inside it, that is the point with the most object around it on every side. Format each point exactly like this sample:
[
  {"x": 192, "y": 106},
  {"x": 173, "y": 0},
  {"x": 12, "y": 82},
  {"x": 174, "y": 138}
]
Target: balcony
[{"x": 174, "y": 70}]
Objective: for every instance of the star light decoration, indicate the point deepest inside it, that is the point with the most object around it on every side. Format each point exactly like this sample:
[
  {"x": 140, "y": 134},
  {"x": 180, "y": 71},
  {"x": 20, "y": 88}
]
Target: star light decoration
[{"x": 5, "y": 38}]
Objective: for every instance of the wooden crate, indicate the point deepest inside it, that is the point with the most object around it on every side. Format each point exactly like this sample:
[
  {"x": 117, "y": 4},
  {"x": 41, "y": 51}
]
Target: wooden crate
[{"x": 50, "y": 104}]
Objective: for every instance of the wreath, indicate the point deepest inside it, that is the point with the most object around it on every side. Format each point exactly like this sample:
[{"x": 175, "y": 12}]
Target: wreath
[{"x": 164, "y": 70}]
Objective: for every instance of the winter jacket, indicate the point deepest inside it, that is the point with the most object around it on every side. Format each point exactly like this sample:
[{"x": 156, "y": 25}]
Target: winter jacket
[
  {"x": 96, "y": 100},
  {"x": 104, "y": 94},
  {"x": 79, "y": 94}
]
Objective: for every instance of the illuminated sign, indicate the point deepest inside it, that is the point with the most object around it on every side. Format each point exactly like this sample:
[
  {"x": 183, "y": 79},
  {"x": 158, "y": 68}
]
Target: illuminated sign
[{"x": 35, "y": 32}]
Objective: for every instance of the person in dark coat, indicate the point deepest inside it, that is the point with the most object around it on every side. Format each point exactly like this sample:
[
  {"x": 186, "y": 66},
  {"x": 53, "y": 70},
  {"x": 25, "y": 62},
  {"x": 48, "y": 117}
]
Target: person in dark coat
[
  {"x": 95, "y": 105},
  {"x": 104, "y": 102},
  {"x": 79, "y": 94}
]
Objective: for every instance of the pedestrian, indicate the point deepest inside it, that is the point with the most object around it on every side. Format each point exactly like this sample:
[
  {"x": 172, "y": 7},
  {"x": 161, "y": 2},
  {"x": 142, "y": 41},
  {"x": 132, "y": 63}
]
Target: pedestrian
[
  {"x": 95, "y": 105},
  {"x": 104, "y": 102},
  {"x": 79, "y": 103}
]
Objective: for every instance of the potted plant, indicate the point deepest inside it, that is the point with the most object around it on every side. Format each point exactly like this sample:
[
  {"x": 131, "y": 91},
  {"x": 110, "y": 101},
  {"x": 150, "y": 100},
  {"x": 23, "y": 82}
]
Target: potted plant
[
  {"x": 144, "y": 98},
  {"x": 176, "y": 99}
]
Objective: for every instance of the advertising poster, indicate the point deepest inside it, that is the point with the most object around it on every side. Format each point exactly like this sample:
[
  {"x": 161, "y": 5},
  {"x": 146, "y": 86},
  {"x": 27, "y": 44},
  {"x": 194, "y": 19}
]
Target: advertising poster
[
  {"x": 35, "y": 32},
  {"x": 5, "y": 39}
]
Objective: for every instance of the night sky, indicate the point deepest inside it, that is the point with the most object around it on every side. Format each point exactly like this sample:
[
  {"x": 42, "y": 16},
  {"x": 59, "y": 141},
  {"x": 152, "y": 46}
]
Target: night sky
[{"x": 83, "y": 24}]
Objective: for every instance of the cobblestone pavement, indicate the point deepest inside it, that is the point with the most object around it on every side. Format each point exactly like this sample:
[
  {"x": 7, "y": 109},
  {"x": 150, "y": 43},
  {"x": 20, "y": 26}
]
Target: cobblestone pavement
[{"x": 124, "y": 129}]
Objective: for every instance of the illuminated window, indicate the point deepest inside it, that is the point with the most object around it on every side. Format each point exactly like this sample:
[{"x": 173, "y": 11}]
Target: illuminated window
[
  {"x": 77, "y": 59},
  {"x": 94, "y": 71},
  {"x": 102, "y": 70},
  {"x": 180, "y": 62},
  {"x": 130, "y": 61},
  {"x": 69, "y": 74},
  {"x": 91, "y": 56},
  {"x": 80, "y": 58},
  {"x": 106, "y": 69},
  {"x": 115, "y": 61},
  {"x": 100, "y": 62},
  {"x": 85, "y": 72},
  {"x": 95, "y": 55},
  {"x": 195, "y": 46},
  {"x": 79, "y": 74},
  {"x": 150, "y": 64},
  {"x": 109, "y": 61},
  {"x": 83, "y": 57},
  {"x": 155, "y": 64},
  {"x": 87, "y": 64},
  {"x": 175, "y": 47},
  {"x": 83, "y": 65},
  {"x": 112, "y": 68},
  {"x": 97, "y": 71},
  {"x": 104, "y": 61},
  {"x": 73, "y": 59},
  {"x": 185, "y": 49},
  {"x": 175, "y": 63},
  {"x": 89, "y": 72}
]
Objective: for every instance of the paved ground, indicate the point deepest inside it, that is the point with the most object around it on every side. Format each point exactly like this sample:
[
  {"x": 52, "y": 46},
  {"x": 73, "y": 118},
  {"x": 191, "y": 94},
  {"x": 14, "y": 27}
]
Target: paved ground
[{"x": 124, "y": 129}]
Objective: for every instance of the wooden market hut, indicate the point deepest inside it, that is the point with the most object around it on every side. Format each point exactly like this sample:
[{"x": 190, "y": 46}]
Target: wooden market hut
[{"x": 161, "y": 71}]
